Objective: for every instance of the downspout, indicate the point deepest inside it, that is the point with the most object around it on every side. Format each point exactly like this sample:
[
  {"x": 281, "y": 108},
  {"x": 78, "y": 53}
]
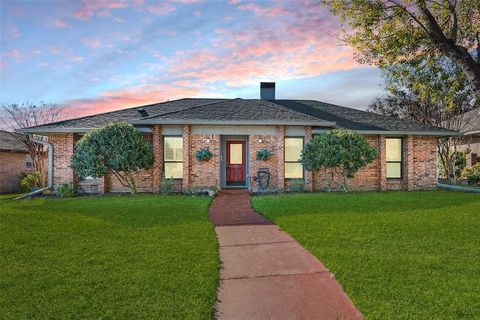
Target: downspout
[{"x": 50, "y": 171}]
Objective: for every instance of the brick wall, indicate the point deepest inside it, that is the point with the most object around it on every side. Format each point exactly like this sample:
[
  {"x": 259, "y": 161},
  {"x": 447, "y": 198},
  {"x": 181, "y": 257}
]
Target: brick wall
[
  {"x": 63, "y": 146},
  {"x": 157, "y": 170},
  {"x": 204, "y": 173},
  {"x": 12, "y": 165},
  {"x": 268, "y": 142},
  {"x": 424, "y": 163},
  {"x": 186, "y": 157},
  {"x": 419, "y": 165},
  {"x": 472, "y": 144},
  {"x": 419, "y": 169},
  {"x": 281, "y": 158}
]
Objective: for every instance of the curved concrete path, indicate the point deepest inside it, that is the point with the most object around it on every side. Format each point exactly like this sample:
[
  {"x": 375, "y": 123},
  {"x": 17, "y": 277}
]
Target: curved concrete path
[{"x": 265, "y": 273}]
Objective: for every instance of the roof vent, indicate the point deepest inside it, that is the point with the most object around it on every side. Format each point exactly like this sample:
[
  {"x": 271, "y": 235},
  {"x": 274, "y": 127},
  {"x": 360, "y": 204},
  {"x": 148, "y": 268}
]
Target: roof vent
[
  {"x": 142, "y": 112},
  {"x": 267, "y": 90}
]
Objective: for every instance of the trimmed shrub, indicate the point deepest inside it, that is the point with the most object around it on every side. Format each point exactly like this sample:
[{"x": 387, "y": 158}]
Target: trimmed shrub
[
  {"x": 30, "y": 181},
  {"x": 117, "y": 148},
  {"x": 340, "y": 149},
  {"x": 65, "y": 190},
  {"x": 472, "y": 174}
]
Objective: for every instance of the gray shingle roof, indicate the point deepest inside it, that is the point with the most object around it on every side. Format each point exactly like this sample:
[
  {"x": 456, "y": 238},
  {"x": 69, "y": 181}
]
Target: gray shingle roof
[
  {"x": 192, "y": 110},
  {"x": 355, "y": 119},
  {"x": 472, "y": 121},
  {"x": 238, "y": 110},
  {"x": 8, "y": 142}
]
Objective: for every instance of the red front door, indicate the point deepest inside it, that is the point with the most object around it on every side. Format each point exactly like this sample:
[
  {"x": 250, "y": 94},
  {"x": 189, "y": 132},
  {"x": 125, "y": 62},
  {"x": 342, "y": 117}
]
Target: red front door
[{"x": 236, "y": 167}]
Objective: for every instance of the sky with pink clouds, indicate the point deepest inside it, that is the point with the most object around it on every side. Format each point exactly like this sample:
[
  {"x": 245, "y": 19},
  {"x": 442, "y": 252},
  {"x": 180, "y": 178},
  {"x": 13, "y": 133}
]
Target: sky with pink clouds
[{"x": 96, "y": 56}]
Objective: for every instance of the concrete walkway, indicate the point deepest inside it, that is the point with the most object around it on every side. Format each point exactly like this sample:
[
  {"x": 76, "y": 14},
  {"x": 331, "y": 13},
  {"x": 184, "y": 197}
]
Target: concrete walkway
[{"x": 265, "y": 273}]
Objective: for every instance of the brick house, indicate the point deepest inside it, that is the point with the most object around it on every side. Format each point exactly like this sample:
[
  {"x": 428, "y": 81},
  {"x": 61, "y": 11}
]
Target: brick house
[
  {"x": 235, "y": 129},
  {"x": 14, "y": 160},
  {"x": 471, "y": 139}
]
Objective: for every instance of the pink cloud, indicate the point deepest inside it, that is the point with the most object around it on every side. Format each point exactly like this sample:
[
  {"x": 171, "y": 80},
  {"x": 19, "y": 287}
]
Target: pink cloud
[
  {"x": 14, "y": 54},
  {"x": 92, "y": 42},
  {"x": 129, "y": 97},
  {"x": 161, "y": 8},
  {"x": 301, "y": 47},
  {"x": 264, "y": 11},
  {"x": 88, "y": 8},
  {"x": 78, "y": 59},
  {"x": 59, "y": 23},
  {"x": 13, "y": 32}
]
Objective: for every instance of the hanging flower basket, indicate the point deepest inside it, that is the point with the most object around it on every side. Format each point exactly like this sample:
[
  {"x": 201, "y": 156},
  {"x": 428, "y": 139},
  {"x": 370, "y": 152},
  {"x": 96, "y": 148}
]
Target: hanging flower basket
[
  {"x": 204, "y": 154},
  {"x": 264, "y": 154}
]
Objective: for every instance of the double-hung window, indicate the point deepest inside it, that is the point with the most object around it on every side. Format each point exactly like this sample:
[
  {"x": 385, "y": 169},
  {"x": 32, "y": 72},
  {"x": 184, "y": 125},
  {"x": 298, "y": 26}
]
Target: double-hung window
[
  {"x": 394, "y": 158},
  {"x": 173, "y": 157},
  {"x": 293, "y": 149}
]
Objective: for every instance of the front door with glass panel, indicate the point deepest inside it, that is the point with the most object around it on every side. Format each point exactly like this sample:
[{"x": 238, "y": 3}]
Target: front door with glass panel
[{"x": 236, "y": 164}]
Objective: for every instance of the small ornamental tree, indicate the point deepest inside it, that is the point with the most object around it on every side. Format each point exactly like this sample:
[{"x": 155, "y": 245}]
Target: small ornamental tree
[
  {"x": 343, "y": 151},
  {"x": 117, "y": 148}
]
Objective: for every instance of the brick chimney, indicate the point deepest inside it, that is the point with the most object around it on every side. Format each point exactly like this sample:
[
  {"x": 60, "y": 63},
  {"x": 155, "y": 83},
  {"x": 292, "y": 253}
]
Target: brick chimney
[{"x": 267, "y": 90}]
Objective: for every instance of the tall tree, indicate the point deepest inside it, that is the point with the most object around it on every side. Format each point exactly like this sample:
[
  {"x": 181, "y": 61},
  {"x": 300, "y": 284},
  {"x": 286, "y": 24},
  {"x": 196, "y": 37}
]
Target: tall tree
[
  {"x": 430, "y": 91},
  {"x": 388, "y": 32},
  {"x": 30, "y": 114}
]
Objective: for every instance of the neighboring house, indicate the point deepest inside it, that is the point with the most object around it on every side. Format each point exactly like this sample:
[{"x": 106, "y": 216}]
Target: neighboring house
[
  {"x": 471, "y": 139},
  {"x": 235, "y": 129},
  {"x": 14, "y": 160}
]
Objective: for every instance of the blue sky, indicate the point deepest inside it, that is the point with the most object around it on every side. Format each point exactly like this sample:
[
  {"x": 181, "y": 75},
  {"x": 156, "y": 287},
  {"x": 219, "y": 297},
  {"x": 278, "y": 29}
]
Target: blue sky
[{"x": 95, "y": 56}]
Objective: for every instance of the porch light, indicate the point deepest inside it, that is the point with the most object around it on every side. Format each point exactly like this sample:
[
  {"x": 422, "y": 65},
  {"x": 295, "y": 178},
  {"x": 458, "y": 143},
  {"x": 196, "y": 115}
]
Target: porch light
[
  {"x": 207, "y": 140},
  {"x": 260, "y": 140}
]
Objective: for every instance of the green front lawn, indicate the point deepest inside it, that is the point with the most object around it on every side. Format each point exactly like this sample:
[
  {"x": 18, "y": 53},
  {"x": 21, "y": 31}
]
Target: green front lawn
[
  {"x": 398, "y": 255},
  {"x": 123, "y": 257}
]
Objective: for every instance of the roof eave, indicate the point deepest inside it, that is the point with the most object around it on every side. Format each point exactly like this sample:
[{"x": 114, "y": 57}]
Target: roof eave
[
  {"x": 43, "y": 131},
  {"x": 471, "y": 133},
  {"x": 403, "y": 132}
]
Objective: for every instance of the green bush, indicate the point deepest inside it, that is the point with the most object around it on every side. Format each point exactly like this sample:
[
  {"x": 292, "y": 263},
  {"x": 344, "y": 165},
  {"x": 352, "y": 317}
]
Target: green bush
[
  {"x": 65, "y": 190},
  {"x": 296, "y": 185},
  {"x": 117, "y": 148},
  {"x": 204, "y": 154},
  {"x": 167, "y": 185},
  {"x": 30, "y": 181},
  {"x": 340, "y": 149},
  {"x": 263, "y": 154},
  {"x": 472, "y": 174}
]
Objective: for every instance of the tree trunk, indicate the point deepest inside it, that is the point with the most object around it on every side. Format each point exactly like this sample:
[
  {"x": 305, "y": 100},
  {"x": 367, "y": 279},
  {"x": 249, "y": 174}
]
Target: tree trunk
[
  {"x": 457, "y": 53},
  {"x": 466, "y": 62},
  {"x": 131, "y": 183}
]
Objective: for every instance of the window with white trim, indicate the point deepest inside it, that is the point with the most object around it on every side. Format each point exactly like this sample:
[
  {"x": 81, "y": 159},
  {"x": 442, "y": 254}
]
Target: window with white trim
[
  {"x": 394, "y": 157},
  {"x": 293, "y": 149},
  {"x": 173, "y": 157}
]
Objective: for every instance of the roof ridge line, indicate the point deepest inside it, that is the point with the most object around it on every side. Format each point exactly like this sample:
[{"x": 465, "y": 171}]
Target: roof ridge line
[{"x": 184, "y": 109}]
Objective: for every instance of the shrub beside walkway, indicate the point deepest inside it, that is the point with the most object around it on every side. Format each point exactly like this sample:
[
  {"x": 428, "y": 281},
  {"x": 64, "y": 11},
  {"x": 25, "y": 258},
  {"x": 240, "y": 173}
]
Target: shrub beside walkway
[{"x": 265, "y": 273}]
